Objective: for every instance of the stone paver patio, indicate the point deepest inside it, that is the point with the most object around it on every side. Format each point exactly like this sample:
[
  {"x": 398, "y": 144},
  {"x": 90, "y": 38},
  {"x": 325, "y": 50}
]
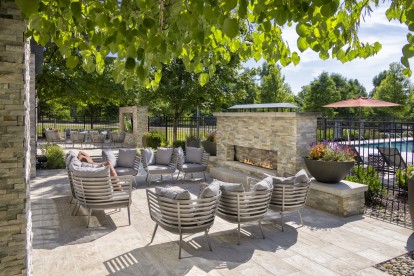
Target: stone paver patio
[{"x": 325, "y": 245}]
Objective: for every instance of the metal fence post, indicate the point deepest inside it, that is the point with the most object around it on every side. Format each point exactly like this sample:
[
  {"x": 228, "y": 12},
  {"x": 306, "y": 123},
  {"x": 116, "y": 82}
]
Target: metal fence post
[{"x": 166, "y": 127}]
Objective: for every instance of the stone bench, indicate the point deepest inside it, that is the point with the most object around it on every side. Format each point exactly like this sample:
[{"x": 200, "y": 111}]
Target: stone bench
[{"x": 345, "y": 198}]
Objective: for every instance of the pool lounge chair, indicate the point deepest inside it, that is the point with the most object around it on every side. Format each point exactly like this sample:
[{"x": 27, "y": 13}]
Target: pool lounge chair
[{"x": 392, "y": 158}]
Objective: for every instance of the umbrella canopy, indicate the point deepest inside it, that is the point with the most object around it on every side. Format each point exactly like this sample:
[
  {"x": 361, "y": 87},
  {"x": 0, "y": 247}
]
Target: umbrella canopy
[{"x": 361, "y": 102}]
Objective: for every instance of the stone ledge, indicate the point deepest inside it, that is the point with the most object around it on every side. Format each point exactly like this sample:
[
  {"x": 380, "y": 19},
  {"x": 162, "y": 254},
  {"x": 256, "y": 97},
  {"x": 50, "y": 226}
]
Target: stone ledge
[
  {"x": 343, "y": 188},
  {"x": 227, "y": 175}
]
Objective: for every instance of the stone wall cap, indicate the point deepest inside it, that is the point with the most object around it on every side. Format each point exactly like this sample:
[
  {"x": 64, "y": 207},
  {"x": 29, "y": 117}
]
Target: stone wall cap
[
  {"x": 268, "y": 114},
  {"x": 343, "y": 188}
]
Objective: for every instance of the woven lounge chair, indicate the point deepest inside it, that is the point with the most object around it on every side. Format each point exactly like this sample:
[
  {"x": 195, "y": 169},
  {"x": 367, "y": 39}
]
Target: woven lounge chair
[{"x": 392, "y": 158}]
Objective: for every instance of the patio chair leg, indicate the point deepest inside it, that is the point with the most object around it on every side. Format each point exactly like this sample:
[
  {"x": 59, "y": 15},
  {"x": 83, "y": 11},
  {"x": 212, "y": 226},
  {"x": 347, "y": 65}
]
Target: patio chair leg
[
  {"x": 146, "y": 179},
  {"x": 208, "y": 241},
  {"x": 300, "y": 216},
  {"x": 178, "y": 174},
  {"x": 238, "y": 235},
  {"x": 161, "y": 177},
  {"x": 153, "y": 234},
  {"x": 71, "y": 200},
  {"x": 89, "y": 217},
  {"x": 179, "y": 246},
  {"x": 261, "y": 229},
  {"x": 74, "y": 208},
  {"x": 129, "y": 216},
  {"x": 150, "y": 179},
  {"x": 281, "y": 214},
  {"x": 205, "y": 178}
]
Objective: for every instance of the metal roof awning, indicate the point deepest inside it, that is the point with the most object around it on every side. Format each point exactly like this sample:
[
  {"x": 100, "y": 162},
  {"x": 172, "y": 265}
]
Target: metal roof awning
[{"x": 264, "y": 106}]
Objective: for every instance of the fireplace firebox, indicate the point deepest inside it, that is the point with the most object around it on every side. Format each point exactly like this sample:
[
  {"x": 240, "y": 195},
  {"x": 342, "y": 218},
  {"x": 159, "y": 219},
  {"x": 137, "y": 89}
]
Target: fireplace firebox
[{"x": 256, "y": 157}]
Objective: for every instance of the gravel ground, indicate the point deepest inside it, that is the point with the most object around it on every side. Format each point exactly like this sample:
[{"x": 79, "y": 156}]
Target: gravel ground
[{"x": 402, "y": 265}]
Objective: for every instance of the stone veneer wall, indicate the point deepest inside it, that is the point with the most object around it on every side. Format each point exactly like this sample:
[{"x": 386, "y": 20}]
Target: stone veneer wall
[
  {"x": 33, "y": 118},
  {"x": 287, "y": 133},
  {"x": 140, "y": 124},
  {"x": 15, "y": 224}
]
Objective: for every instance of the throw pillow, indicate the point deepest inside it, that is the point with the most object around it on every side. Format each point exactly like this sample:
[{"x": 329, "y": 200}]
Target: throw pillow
[
  {"x": 230, "y": 187},
  {"x": 301, "y": 177},
  {"x": 263, "y": 185},
  {"x": 211, "y": 190},
  {"x": 163, "y": 156},
  {"x": 193, "y": 155},
  {"x": 69, "y": 156},
  {"x": 126, "y": 157},
  {"x": 109, "y": 156},
  {"x": 180, "y": 154},
  {"x": 148, "y": 154},
  {"x": 173, "y": 193}
]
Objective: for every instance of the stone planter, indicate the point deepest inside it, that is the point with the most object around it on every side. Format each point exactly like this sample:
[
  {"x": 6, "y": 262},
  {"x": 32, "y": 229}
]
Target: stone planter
[
  {"x": 411, "y": 200},
  {"x": 210, "y": 147},
  {"x": 327, "y": 171},
  {"x": 192, "y": 143}
]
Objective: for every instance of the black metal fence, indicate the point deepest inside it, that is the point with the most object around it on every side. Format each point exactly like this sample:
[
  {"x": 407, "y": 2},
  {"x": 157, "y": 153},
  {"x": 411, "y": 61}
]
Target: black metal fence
[
  {"x": 76, "y": 123},
  {"x": 186, "y": 126},
  {"x": 387, "y": 146}
]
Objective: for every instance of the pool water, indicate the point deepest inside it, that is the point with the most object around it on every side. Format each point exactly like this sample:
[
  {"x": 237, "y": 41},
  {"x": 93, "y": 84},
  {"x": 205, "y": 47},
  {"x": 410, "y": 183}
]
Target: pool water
[{"x": 402, "y": 146}]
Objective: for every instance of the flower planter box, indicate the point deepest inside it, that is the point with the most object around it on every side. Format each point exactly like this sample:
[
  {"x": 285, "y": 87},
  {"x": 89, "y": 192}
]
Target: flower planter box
[{"x": 328, "y": 171}]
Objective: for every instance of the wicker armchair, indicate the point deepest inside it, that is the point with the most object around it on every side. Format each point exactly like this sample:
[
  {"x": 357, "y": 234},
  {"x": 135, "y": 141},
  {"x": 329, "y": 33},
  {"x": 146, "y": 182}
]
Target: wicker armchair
[
  {"x": 190, "y": 167},
  {"x": 102, "y": 192},
  {"x": 182, "y": 216},
  {"x": 288, "y": 198},
  {"x": 242, "y": 207}
]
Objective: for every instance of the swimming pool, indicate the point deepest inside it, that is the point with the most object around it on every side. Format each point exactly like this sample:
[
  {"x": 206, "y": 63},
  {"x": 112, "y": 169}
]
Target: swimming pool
[{"x": 402, "y": 146}]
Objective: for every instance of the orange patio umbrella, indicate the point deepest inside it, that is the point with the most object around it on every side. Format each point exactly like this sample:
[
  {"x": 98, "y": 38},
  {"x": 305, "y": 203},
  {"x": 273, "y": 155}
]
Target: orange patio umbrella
[{"x": 361, "y": 102}]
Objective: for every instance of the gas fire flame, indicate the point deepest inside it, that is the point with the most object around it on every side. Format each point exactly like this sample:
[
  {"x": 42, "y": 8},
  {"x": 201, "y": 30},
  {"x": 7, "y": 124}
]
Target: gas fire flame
[{"x": 264, "y": 164}]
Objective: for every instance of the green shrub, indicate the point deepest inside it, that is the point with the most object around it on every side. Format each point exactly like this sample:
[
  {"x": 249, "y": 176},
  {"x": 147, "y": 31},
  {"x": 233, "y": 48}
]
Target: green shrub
[
  {"x": 153, "y": 139},
  {"x": 55, "y": 157},
  {"x": 368, "y": 176},
  {"x": 179, "y": 143},
  {"x": 402, "y": 177}
]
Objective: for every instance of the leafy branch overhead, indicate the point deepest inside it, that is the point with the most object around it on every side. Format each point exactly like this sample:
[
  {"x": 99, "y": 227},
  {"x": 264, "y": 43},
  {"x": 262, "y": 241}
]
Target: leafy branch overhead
[{"x": 144, "y": 34}]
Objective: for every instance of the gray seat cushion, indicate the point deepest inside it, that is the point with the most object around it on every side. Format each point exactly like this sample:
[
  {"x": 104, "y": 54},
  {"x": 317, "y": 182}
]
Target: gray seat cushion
[
  {"x": 89, "y": 172},
  {"x": 126, "y": 157},
  {"x": 160, "y": 169},
  {"x": 173, "y": 193},
  {"x": 193, "y": 155},
  {"x": 191, "y": 167},
  {"x": 163, "y": 156},
  {"x": 282, "y": 180},
  {"x": 125, "y": 171},
  {"x": 109, "y": 156},
  {"x": 74, "y": 163},
  {"x": 149, "y": 156},
  {"x": 230, "y": 187}
]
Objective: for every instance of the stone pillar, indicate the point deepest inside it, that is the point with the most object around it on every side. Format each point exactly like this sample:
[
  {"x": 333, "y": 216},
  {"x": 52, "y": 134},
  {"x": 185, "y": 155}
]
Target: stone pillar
[
  {"x": 288, "y": 134},
  {"x": 15, "y": 226},
  {"x": 33, "y": 118},
  {"x": 139, "y": 124}
]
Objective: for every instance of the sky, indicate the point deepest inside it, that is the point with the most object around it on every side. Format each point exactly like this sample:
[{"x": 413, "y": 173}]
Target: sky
[{"x": 392, "y": 36}]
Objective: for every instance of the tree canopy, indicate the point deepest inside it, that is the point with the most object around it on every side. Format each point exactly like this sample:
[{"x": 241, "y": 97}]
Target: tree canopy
[{"x": 145, "y": 34}]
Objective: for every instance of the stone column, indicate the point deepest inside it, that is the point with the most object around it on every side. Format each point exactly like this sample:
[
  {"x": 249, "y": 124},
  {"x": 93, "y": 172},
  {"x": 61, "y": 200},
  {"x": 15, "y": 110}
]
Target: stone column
[
  {"x": 139, "y": 124},
  {"x": 15, "y": 226}
]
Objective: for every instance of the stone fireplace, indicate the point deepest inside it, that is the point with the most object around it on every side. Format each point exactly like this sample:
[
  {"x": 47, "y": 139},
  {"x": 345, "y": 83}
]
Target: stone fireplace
[{"x": 281, "y": 138}]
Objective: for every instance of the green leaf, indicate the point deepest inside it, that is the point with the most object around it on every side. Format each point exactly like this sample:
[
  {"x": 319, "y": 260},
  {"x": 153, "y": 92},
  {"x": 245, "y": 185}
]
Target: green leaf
[
  {"x": 229, "y": 5},
  {"x": 231, "y": 27},
  {"x": 242, "y": 11},
  {"x": 72, "y": 62},
  {"x": 302, "y": 44},
  {"x": 28, "y": 7},
  {"x": 408, "y": 51},
  {"x": 130, "y": 64},
  {"x": 148, "y": 22},
  {"x": 295, "y": 58},
  {"x": 405, "y": 62},
  {"x": 203, "y": 79},
  {"x": 157, "y": 76},
  {"x": 302, "y": 29},
  {"x": 76, "y": 9},
  {"x": 407, "y": 72}
]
